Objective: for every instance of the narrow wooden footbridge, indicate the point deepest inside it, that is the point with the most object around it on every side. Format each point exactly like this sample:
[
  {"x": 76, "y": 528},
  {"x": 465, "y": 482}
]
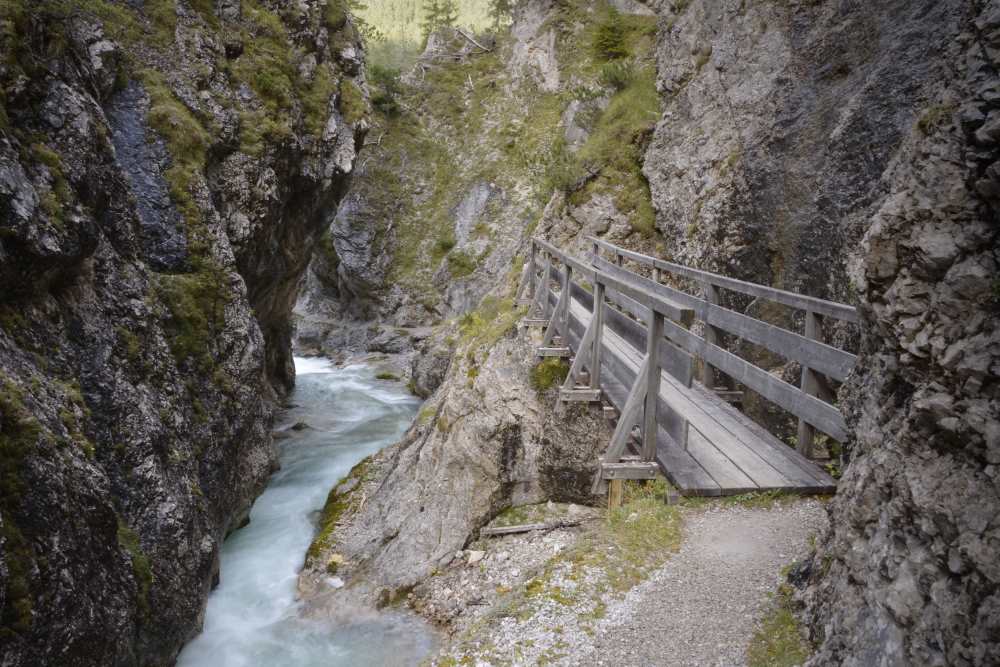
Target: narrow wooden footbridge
[{"x": 632, "y": 341}]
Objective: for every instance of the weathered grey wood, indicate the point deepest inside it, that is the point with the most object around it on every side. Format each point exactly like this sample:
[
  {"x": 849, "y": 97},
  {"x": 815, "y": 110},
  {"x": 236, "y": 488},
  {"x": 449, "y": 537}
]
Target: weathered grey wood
[
  {"x": 800, "y": 301},
  {"x": 826, "y": 359},
  {"x": 628, "y": 418},
  {"x": 631, "y": 470},
  {"x": 541, "y": 306},
  {"x": 821, "y": 415},
  {"x": 534, "y": 322},
  {"x": 554, "y": 352},
  {"x": 662, "y": 305},
  {"x": 653, "y": 337},
  {"x": 532, "y": 263},
  {"x": 598, "y": 338},
  {"x": 557, "y": 321},
  {"x": 684, "y": 469},
  {"x": 711, "y": 334},
  {"x": 528, "y": 527},
  {"x": 580, "y": 395},
  {"x": 810, "y": 385},
  {"x": 581, "y": 353}
]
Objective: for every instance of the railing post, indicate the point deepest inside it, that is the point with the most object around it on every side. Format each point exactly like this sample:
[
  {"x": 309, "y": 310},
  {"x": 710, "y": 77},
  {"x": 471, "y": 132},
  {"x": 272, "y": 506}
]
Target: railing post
[
  {"x": 546, "y": 279},
  {"x": 711, "y": 334},
  {"x": 810, "y": 385},
  {"x": 598, "y": 317},
  {"x": 564, "y": 313},
  {"x": 650, "y": 423},
  {"x": 532, "y": 268}
]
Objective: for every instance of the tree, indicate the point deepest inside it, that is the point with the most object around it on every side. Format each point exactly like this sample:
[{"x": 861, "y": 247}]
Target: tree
[
  {"x": 609, "y": 39},
  {"x": 500, "y": 13},
  {"x": 438, "y": 14}
]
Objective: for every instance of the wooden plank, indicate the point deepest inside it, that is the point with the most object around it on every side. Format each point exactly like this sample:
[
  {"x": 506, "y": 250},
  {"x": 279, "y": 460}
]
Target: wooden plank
[
  {"x": 652, "y": 358},
  {"x": 752, "y": 466},
  {"x": 718, "y": 464},
  {"x": 534, "y": 322},
  {"x": 631, "y": 470},
  {"x": 664, "y": 306},
  {"x": 580, "y": 395},
  {"x": 770, "y": 446},
  {"x": 793, "y": 299},
  {"x": 821, "y": 415},
  {"x": 804, "y": 349},
  {"x": 554, "y": 352},
  {"x": 680, "y": 467}
]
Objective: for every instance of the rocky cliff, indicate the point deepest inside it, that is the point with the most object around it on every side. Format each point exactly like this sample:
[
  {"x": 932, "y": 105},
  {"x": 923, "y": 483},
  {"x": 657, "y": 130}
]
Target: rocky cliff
[
  {"x": 908, "y": 573},
  {"x": 842, "y": 149},
  {"x": 165, "y": 168}
]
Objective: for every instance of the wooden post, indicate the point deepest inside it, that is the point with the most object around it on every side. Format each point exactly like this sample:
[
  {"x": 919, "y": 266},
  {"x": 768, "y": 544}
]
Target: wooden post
[
  {"x": 711, "y": 335},
  {"x": 616, "y": 493},
  {"x": 532, "y": 269},
  {"x": 598, "y": 319},
  {"x": 567, "y": 286},
  {"x": 547, "y": 271},
  {"x": 650, "y": 425},
  {"x": 810, "y": 385}
]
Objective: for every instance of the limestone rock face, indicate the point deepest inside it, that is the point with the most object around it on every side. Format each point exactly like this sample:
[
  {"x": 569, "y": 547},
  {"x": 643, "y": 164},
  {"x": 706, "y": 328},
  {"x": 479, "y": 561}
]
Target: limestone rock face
[
  {"x": 486, "y": 441},
  {"x": 151, "y": 242},
  {"x": 908, "y": 573}
]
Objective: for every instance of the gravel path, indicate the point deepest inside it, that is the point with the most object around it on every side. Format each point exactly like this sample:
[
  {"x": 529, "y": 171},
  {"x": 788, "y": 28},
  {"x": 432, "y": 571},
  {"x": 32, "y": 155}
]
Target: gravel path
[{"x": 702, "y": 607}]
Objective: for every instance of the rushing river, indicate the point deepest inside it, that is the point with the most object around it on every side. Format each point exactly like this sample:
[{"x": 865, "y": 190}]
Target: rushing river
[{"x": 252, "y": 617}]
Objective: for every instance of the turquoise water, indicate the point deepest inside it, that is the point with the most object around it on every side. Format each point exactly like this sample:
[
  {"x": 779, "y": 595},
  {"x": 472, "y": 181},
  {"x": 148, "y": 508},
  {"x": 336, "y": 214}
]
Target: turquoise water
[{"x": 253, "y": 618}]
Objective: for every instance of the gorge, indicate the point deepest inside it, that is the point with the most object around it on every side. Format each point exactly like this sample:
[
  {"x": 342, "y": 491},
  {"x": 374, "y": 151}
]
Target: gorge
[{"x": 189, "y": 189}]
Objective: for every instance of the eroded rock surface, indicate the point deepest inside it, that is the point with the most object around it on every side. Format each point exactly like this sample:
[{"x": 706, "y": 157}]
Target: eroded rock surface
[{"x": 157, "y": 211}]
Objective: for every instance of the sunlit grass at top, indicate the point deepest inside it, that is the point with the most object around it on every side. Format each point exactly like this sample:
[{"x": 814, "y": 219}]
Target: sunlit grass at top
[{"x": 400, "y": 20}]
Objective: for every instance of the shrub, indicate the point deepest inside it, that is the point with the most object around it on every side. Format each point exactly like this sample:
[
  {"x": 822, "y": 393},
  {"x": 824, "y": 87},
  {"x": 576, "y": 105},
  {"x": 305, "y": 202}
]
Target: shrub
[
  {"x": 609, "y": 37},
  {"x": 617, "y": 74},
  {"x": 548, "y": 373},
  {"x": 387, "y": 89}
]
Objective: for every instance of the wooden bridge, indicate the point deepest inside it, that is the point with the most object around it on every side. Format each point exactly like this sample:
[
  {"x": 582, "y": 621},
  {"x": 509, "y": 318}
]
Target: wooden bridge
[{"x": 688, "y": 430}]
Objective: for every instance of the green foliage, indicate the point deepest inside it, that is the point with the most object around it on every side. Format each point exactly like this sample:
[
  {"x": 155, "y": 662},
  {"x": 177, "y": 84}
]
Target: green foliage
[
  {"x": 438, "y": 14},
  {"x": 548, "y": 373},
  {"x": 335, "y": 15},
  {"x": 196, "y": 303},
  {"x": 460, "y": 264},
  {"x": 337, "y": 504},
  {"x": 387, "y": 376},
  {"x": 19, "y": 434},
  {"x": 386, "y": 89},
  {"x": 935, "y": 116},
  {"x": 500, "y": 13},
  {"x": 779, "y": 642},
  {"x": 316, "y": 99},
  {"x": 609, "y": 37},
  {"x": 186, "y": 139},
  {"x": 617, "y": 74},
  {"x": 141, "y": 568},
  {"x": 491, "y": 321},
  {"x": 352, "y": 102}
]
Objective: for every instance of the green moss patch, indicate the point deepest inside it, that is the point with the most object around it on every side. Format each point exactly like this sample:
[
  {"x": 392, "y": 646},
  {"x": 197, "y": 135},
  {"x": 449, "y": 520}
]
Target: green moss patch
[
  {"x": 548, "y": 373},
  {"x": 340, "y": 500},
  {"x": 195, "y": 314},
  {"x": 19, "y": 434},
  {"x": 142, "y": 570},
  {"x": 779, "y": 642}
]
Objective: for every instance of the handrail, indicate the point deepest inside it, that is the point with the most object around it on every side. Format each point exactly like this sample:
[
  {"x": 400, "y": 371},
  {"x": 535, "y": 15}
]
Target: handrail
[
  {"x": 795, "y": 300},
  {"x": 666, "y": 307},
  {"x": 649, "y": 301}
]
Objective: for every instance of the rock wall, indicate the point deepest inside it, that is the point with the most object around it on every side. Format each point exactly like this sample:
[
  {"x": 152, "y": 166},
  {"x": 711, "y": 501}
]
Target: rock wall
[
  {"x": 164, "y": 173},
  {"x": 908, "y": 573}
]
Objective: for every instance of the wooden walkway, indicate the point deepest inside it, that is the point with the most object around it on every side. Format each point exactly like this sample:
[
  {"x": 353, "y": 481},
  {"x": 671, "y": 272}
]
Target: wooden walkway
[{"x": 667, "y": 422}]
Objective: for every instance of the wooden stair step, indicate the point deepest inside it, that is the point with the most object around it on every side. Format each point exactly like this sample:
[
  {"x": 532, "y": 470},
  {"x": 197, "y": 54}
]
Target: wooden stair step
[
  {"x": 554, "y": 352},
  {"x": 534, "y": 322},
  {"x": 581, "y": 394}
]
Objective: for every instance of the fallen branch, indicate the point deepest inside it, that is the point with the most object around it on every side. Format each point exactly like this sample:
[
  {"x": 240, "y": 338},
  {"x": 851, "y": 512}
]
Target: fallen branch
[
  {"x": 469, "y": 37},
  {"x": 527, "y": 527}
]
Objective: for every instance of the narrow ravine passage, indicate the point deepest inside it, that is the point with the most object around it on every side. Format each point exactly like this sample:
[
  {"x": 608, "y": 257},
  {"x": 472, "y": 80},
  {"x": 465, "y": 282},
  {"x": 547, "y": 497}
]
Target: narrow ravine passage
[{"x": 252, "y": 617}]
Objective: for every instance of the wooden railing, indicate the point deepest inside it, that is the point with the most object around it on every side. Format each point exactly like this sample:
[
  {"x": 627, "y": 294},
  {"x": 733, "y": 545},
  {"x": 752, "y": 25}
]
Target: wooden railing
[
  {"x": 667, "y": 313},
  {"x": 820, "y": 362}
]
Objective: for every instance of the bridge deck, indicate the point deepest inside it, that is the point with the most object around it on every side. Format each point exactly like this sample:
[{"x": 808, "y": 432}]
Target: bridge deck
[{"x": 726, "y": 453}]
